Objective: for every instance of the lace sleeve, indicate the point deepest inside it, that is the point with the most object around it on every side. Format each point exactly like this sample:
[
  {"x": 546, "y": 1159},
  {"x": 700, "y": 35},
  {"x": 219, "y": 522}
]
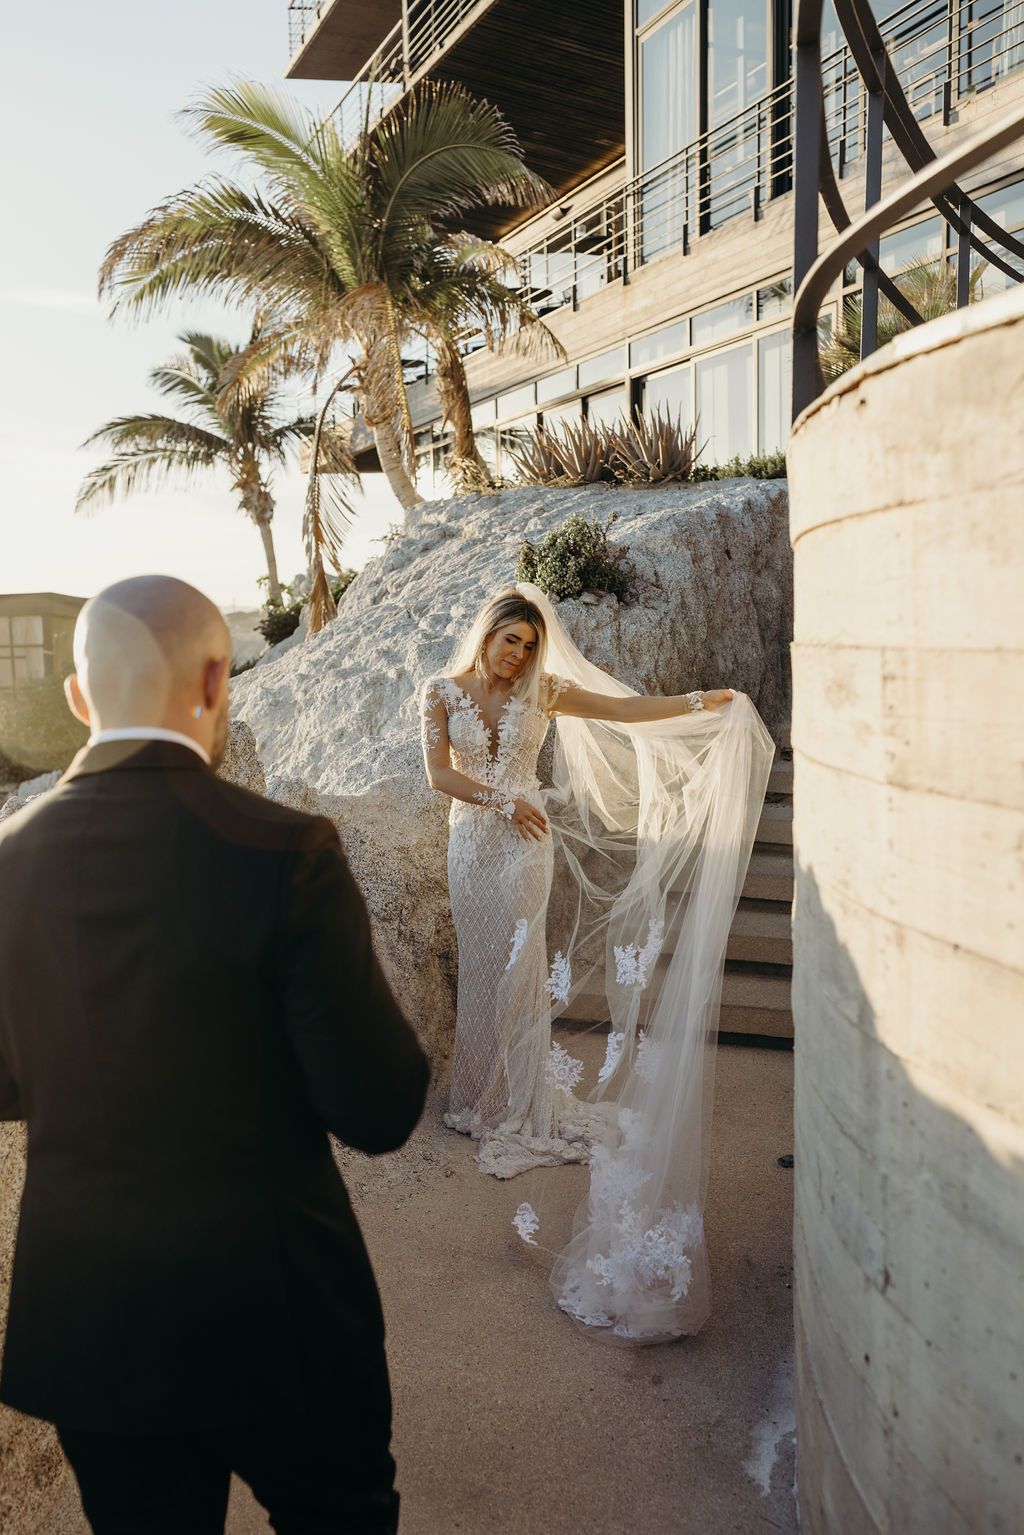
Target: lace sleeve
[
  {"x": 556, "y": 686},
  {"x": 434, "y": 725}
]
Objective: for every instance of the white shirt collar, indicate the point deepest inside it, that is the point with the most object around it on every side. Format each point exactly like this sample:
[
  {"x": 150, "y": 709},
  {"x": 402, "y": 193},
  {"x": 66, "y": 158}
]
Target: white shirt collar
[{"x": 149, "y": 733}]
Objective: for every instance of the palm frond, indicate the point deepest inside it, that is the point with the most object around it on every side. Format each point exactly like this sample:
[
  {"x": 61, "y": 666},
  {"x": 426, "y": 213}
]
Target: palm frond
[
  {"x": 217, "y": 239},
  {"x": 263, "y": 124},
  {"x": 154, "y": 431},
  {"x": 328, "y": 515},
  {"x": 140, "y": 468},
  {"x": 440, "y": 153}
]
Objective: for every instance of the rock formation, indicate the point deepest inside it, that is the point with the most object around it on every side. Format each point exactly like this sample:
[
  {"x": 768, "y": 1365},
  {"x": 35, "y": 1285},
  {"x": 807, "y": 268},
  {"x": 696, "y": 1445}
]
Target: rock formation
[{"x": 335, "y": 718}]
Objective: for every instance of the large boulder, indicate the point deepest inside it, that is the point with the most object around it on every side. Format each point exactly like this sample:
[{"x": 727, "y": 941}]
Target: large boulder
[
  {"x": 335, "y": 717},
  {"x": 713, "y": 608}
]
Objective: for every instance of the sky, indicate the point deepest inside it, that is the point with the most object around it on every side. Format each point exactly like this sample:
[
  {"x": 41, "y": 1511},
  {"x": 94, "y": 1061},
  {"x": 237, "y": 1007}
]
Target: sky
[{"x": 89, "y": 97}]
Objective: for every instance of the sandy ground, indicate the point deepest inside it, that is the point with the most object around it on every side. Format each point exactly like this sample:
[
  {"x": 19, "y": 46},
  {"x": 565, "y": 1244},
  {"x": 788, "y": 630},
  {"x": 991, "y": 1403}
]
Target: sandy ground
[{"x": 508, "y": 1420}]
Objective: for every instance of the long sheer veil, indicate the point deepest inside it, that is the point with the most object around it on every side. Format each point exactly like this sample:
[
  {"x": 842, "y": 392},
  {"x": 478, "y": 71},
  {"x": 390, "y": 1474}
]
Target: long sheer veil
[{"x": 655, "y": 824}]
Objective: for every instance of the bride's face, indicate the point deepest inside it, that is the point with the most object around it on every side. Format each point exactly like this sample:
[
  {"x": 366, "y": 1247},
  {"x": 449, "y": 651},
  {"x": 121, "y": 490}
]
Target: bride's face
[{"x": 509, "y": 649}]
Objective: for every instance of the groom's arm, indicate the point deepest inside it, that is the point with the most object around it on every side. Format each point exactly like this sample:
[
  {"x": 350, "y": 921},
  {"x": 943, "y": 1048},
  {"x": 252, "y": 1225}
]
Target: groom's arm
[{"x": 365, "y": 1072}]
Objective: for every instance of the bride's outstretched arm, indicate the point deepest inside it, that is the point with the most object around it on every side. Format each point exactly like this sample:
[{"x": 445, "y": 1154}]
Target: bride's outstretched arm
[
  {"x": 635, "y": 708},
  {"x": 526, "y": 818}
]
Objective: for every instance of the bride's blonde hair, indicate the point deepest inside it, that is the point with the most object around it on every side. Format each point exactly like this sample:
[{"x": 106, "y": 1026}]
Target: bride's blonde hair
[{"x": 508, "y": 607}]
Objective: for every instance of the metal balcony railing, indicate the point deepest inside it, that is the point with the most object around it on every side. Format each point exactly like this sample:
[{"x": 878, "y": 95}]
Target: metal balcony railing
[
  {"x": 896, "y": 76},
  {"x": 303, "y": 16},
  {"x": 409, "y": 48},
  {"x": 941, "y": 51}
]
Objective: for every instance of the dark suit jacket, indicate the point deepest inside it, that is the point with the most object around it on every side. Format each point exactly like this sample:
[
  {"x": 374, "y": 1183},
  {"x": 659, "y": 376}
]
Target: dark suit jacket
[{"x": 189, "y": 1001}]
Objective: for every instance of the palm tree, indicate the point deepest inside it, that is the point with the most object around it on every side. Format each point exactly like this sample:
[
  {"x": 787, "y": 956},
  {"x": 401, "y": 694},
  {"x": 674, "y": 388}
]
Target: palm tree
[
  {"x": 344, "y": 247},
  {"x": 930, "y": 286},
  {"x": 242, "y": 433}
]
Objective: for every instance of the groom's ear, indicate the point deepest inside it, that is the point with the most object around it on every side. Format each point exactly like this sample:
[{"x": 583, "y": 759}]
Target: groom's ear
[
  {"x": 76, "y": 699},
  {"x": 215, "y": 680}
]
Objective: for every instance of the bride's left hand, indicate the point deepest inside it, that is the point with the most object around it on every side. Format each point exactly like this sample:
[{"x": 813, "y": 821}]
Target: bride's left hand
[{"x": 716, "y": 698}]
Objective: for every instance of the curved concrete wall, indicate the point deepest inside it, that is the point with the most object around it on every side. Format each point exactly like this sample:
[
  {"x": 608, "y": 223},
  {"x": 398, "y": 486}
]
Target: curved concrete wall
[{"x": 907, "y": 484}]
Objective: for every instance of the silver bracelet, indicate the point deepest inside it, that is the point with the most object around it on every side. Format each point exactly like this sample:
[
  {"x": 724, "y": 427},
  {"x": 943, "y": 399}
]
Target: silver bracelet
[{"x": 695, "y": 700}]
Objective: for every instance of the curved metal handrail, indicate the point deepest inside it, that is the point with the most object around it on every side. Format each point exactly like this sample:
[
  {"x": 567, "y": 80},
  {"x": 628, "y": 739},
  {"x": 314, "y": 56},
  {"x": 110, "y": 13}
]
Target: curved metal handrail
[
  {"x": 935, "y": 179},
  {"x": 859, "y": 234}
]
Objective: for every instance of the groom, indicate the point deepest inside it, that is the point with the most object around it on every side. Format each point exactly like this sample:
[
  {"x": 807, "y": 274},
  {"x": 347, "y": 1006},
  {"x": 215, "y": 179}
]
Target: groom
[{"x": 189, "y": 1001}]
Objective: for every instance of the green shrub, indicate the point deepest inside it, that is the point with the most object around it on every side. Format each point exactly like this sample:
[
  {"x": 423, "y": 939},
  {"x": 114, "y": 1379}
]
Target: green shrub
[
  {"x": 280, "y": 619},
  {"x": 341, "y": 583},
  {"x": 760, "y": 466},
  {"x": 576, "y": 558},
  {"x": 38, "y": 732}
]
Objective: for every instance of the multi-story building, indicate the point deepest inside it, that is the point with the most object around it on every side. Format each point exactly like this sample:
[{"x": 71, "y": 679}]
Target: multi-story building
[{"x": 665, "y": 129}]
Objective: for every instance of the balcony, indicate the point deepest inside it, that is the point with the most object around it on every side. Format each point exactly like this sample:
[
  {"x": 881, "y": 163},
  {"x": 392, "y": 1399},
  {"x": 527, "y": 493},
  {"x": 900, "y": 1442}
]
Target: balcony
[
  {"x": 943, "y": 57},
  {"x": 332, "y": 39},
  {"x": 569, "y": 118}
]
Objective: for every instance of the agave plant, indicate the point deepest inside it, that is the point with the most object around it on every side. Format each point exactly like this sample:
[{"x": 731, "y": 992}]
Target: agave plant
[
  {"x": 568, "y": 455},
  {"x": 652, "y": 450},
  {"x": 930, "y": 287},
  {"x": 647, "y": 450}
]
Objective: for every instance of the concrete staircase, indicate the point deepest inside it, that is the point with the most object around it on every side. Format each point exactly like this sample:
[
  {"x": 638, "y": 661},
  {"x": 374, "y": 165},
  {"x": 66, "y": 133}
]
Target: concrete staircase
[{"x": 759, "y": 956}]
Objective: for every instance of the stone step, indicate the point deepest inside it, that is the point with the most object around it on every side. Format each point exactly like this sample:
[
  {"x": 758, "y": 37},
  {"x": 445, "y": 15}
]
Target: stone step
[
  {"x": 761, "y": 933},
  {"x": 780, "y": 780},
  {"x": 770, "y": 875},
  {"x": 756, "y": 1003},
  {"x": 776, "y": 823}
]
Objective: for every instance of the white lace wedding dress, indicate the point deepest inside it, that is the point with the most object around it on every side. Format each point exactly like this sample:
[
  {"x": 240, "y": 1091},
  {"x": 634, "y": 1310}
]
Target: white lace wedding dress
[
  {"x": 652, "y": 826},
  {"x": 506, "y": 1088}
]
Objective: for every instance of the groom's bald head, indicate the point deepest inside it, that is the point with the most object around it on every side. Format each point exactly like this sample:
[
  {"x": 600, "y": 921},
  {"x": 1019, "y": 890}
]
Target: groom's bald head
[{"x": 151, "y": 651}]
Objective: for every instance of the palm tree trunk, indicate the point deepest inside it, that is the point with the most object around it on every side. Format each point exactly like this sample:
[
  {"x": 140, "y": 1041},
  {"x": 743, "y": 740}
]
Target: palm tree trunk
[
  {"x": 274, "y": 584},
  {"x": 453, "y": 390},
  {"x": 390, "y": 457}
]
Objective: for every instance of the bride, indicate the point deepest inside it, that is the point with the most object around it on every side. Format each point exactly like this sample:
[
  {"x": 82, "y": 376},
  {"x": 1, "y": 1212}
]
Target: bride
[{"x": 650, "y": 815}]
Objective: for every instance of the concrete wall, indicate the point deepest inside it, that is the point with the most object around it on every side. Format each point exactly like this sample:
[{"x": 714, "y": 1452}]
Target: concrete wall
[{"x": 907, "y": 483}]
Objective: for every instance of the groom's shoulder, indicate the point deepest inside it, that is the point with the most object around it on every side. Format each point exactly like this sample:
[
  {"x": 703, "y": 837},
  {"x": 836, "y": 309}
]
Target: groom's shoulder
[{"x": 243, "y": 815}]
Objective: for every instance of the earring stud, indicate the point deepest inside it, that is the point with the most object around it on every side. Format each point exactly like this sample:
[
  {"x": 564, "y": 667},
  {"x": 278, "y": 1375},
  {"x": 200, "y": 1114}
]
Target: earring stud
[{"x": 197, "y": 712}]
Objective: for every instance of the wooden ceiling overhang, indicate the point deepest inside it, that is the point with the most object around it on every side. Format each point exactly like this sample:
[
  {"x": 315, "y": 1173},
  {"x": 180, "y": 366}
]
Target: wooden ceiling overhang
[
  {"x": 343, "y": 37},
  {"x": 557, "y": 73}
]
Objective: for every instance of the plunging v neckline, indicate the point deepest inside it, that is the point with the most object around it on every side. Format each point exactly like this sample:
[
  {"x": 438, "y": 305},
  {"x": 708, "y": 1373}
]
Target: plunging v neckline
[{"x": 493, "y": 735}]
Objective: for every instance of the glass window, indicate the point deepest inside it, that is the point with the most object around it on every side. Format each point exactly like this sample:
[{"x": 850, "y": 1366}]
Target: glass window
[
  {"x": 737, "y": 56},
  {"x": 1007, "y": 205},
  {"x": 723, "y": 320},
  {"x": 570, "y": 414},
  {"x": 661, "y": 343},
  {"x": 921, "y": 242},
  {"x": 556, "y": 384},
  {"x": 606, "y": 408},
  {"x": 596, "y": 369},
  {"x": 670, "y": 392},
  {"x": 27, "y": 631},
  {"x": 668, "y": 75},
  {"x": 515, "y": 436},
  {"x": 425, "y": 475},
  {"x": 516, "y": 402},
  {"x": 483, "y": 414},
  {"x": 775, "y": 299},
  {"x": 647, "y": 9},
  {"x": 668, "y": 123},
  {"x": 487, "y": 445},
  {"x": 774, "y": 391},
  {"x": 724, "y": 397}
]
